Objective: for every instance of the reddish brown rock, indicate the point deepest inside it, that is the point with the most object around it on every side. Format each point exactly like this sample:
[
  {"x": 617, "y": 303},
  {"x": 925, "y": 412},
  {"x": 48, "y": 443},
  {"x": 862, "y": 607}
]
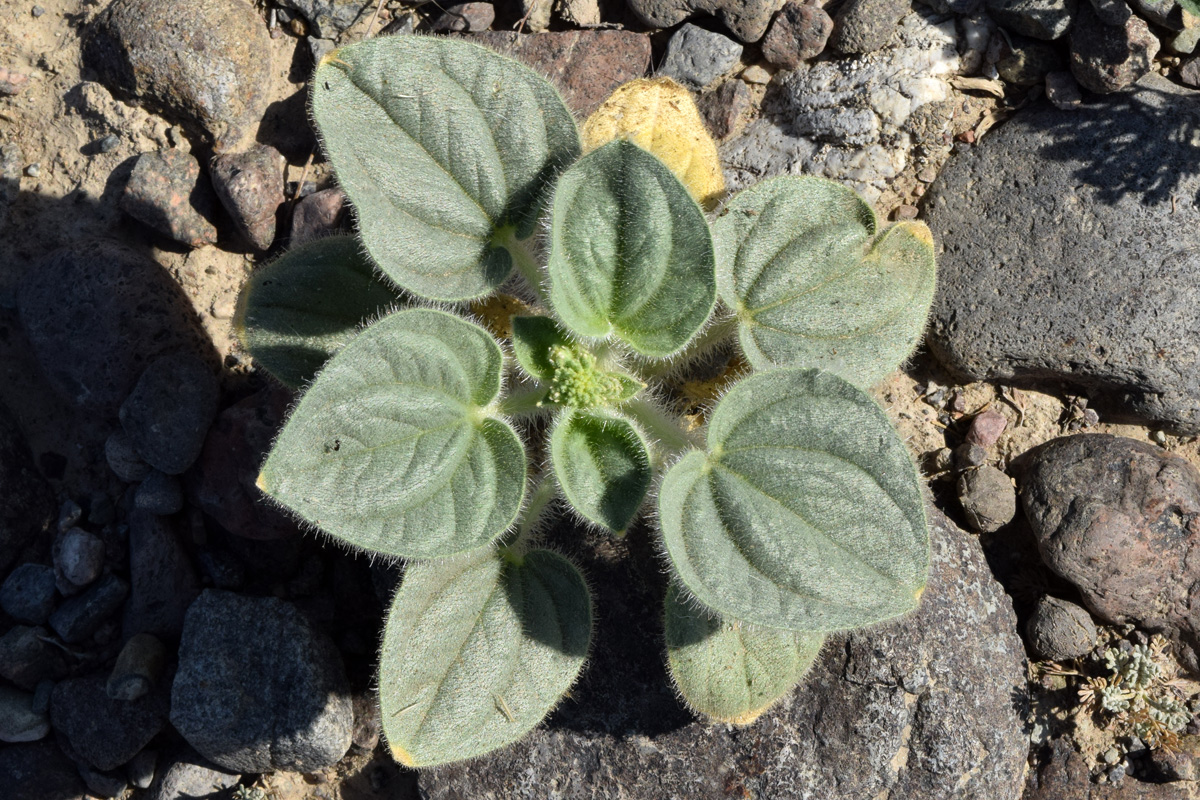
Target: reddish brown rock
[
  {"x": 1120, "y": 519},
  {"x": 987, "y": 427},
  {"x": 799, "y": 32},
  {"x": 319, "y": 214},
  {"x": 1065, "y": 775},
  {"x": 12, "y": 82},
  {"x": 1107, "y": 58},
  {"x": 724, "y": 107},
  {"x": 585, "y": 65},
  {"x": 167, "y": 192},
  {"x": 250, "y": 186}
]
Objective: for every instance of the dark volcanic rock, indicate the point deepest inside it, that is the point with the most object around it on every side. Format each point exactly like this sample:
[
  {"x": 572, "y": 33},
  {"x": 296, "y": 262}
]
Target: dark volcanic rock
[
  {"x": 1120, "y": 519},
  {"x": 696, "y": 57},
  {"x": 1062, "y": 260},
  {"x": 104, "y": 732},
  {"x": 167, "y": 414},
  {"x": 926, "y": 707},
  {"x": 988, "y": 499},
  {"x": 27, "y": 594},
  {"x": 38, "y": 772},
  {"x": 163, "y": 583},
  {"x": 258, "y": 689},
  {"x": 799, "y": 32},
  {"x": 1041, "y": 19},
  {"x": 29, "y": 655},
  {"x": 748, "y": 19},
  {"x": 189, "y": 775},
  {"x": 96, "y": 314},
  {"x": 203, "y": 62},
  {"x": 1107, "y": 58},
  {"x": 864, "y": 26},
  {"x": 26, "y": 500},
  {"x": 1058, "y": 630},
  {"x": 81, "y": 616}
]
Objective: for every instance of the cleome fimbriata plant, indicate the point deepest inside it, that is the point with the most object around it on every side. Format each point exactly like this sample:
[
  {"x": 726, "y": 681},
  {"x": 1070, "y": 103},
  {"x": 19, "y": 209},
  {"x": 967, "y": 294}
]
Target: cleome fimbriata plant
[{"x": 786, "y": 509}]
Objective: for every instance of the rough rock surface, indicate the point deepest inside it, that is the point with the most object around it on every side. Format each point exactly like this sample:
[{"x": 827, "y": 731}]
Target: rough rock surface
[
  {"x": 167, "y": 192},
  {"x": 1107, "y": 58},
  {"x": 168, "y": 413},
  {"x": 103, "y": 732},
  {"x": 258, "y": 689},
  {"x": 1120, "y": 519},
  {"x": 1059, "y": 630},
  {"x": 798, "y": 32},
  {"x": 864, "y": 26},
  {"x": 696, "y": 57},
  {"x": 927, "y": 707},
  {"x": 162, "y": 581},
  {"x": 1041, "y": 19},
  {"x": 200, "y": 62},
  {"x": 38, "y": 772},
  {"x": 988, "y": 499},
  {"x": 328, "y": 18},
  {"x": 189, "y": 775},
  {"x": 96, "y": 314},
  {"x": 250, "y": 186},
  {"x": 1066, "y": 776},
  {"x": 27, "y": 507},
  {"x": 748, "y": 19},
  {"x": 1092, "y": 290},
  {"x": 854, "y": 120}
]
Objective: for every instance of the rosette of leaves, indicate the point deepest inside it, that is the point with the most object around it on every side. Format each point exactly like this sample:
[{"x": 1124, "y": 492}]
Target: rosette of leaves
[{"x": 788, "y": 509}]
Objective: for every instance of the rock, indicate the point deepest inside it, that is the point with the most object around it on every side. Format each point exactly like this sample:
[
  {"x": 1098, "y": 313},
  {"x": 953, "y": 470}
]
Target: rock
[
  {"x": 723, "y": 108},
  {"x": 27, "y": 594},
  {"x": 163, "y": 583},
  {"x": 159, "y": 494},
  {"x": 258, "y": 689},
  {"x": 104, "y": 784},
  {"x": 328, "y": 19},
  {"x": 988, "y": 498},
  {"x": 854, "y": 120},
  {"x": 12, "y": 82},
  {"x": 1179, "y": 763},
  {"x": 203, "y": 63},
  {"x": 1118, "y": 518},
  {"x": 167, "y": 193},
  {"x": 104, "y": 733},
  {"x": 1184, "y": 42},
  {"x": 140, "y": 769},
  {"x": 581, "y": 13},
  {"x": 924, "y": 707},
  {"x": 1040, "y": 19},
  {"x": 319, "y": 214},
  {"x": 798, "y": 32},
  {"x": 1190, "y": 72},
  {"x": 123, "y": 459},
  {"x": 1105, "y": 58},
  {"x": 864, "y": 26},
  {"x": 987, "y": 427},
  {"x": 18, "y": 721},
  {"x": 138, "y": 668},
  {"x": 250, "y": 186},
  {"x": 586, "y": 66},
  {"x": 11, "y": 160},
  {"x": 1112, "y": 12},
  {"x": 968, "y": 456},
  {"x": 756, "y": 75},
  {"x": 222, "y": 482},
  {"x": 27, "y": 508},
  {"x": 79, "y": 556},
  {"x": 169, "y": 411},
  {"x": 38, "y": 772},
  {"x": 1167, "y": 13},
  {"x": 96, "y": 313},
  {"x": 696, "y": 57},
  {"x": 81, "y": 616},
  {"x": 1041, "y": 311},
  {"x": 1067, "y": 775},
  {"x": 1059, "y": 630},
  {"x": 748, "y": 19},
  {"x": 536, "y": 14},
  {"x": 465, "y": 17},
  {"x": 1063, "y": 90},
  {"x": 189, "y": 775},
  {"x": 29, "y": 656}
]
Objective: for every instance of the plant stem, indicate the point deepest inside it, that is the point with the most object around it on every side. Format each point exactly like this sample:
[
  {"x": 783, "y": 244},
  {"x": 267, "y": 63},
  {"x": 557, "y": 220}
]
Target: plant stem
[
  {"x": 538, "y": 502},
  {"x": 522, "y": 252},
  {"x": 661, "y": 426},
  {"x": 523, "y": 403},
  {"x": 714, "y": 335}
]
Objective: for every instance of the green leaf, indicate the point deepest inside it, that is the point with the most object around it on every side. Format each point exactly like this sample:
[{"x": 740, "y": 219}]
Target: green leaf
[
  {"x": 813, "y": 285},
  {"x": 477, "y": 651},
  {"x": 730, "y": 670},
  {"x": 602, "y": 465},
  {"x": 446, "y": 150},
  {"x": 532, "y": 339},
  {"x": 392, "y": 449},
  {"x": 630, "y": 252},
  {"x": 297, "y": 311},
  {"x": 806, "y": 512}
]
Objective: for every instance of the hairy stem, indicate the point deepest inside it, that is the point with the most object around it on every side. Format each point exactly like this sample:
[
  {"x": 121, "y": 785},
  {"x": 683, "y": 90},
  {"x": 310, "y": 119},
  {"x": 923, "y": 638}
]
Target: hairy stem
[
  {"x": 524, "y": 403},
  {"x": 523, "y": 256},
  {"x": 662, "y": 427},
  {"x": 518, "y": 545},
  {"x": 715, "y": 335}
]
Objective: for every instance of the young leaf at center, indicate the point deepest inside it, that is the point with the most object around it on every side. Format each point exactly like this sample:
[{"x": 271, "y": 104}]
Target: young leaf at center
[
  {"x": 630, "y": 252},
  {"x": 445, "y": 149},
  {"x": 477, "y": 651},
  {"x": 806, "y": 511},
  {"x": 602, "y": 465},
  {"x": 730, "y": 670},
  {"x": 814, "y": 284},
  {"x": 391, "y": 450}
]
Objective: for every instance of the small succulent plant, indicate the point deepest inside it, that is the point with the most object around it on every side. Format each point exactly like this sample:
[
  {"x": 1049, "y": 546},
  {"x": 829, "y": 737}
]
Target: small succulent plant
[
  {"x": 1139, "y": 695},
  {"x": 786, "y": 509}
]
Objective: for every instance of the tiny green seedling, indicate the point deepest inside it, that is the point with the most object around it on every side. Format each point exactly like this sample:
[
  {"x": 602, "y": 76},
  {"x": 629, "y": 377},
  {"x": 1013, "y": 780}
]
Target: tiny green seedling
[{"x": 786, "y": 509}]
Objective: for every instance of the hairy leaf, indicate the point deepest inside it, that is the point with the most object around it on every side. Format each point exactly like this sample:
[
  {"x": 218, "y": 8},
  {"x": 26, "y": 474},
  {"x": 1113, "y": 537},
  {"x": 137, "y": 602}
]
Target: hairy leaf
[
  {"x": 730, "y": 670},
  {"x": 477, "y": 651},
  {"x": 391, "y": 449},
  {"x": 533, "y": 338},
  {"x": 814, "y": 285},
  {"x": 297, "y": 311},
  {"x": 445, "y": 149},
  {"x": 806, "y": 511},
  {"x": 602, "y": 465},
  {"x": 631, "y": 254}
]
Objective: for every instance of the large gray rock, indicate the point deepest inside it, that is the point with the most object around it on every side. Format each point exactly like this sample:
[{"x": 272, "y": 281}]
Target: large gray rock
[
  {"x": 27, "y": 504},
  {"x": 1120, "y": 519},
  {"x": 854, "y": 120},
  {"x": 1062, "y": 258},
  {"x": 696, "y": 57},
  {"x": 258, "y": 689},
  {"x": 167, "y": 414},
  {"x": 925, "y": 707},
  {"x": 748, "y": 19},
  {"x": 204, "y": 62}
]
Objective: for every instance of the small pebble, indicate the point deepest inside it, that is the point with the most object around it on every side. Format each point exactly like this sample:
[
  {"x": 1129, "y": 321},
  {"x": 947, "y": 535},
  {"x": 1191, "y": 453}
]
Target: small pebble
[
  {"x": 80, "y": 617},
  {"x": 756, "y": 75},
  {"x": 33, "y": 170},
  {"x": 904, "y": 212},
  {"x": 18, "y": 723},
  {"x": 79, "y": 556},
  {"x": 69, "y": 513},
  {"x": 987, "y": 427},
  {"x": 137, "y": 669},
  {"x": 108, "y": 143},
  {"x": 159, "y": 494},
  {"x": 988, "y": 499},
  {"x": 1059, "y": 630},
  {"x": 37, "y": 11},
  {"x": 1158, "y": 437},
  {"x": 41, "y": 697},
  {"x": 123, "y": 459},
  {"x": 465, "y": 17},
  {"x": 969, "y": 455},
  {"x": 1111, "y": 756},
  {"x": 27, "y": 594},
  {"x": 140, "y": 769}
]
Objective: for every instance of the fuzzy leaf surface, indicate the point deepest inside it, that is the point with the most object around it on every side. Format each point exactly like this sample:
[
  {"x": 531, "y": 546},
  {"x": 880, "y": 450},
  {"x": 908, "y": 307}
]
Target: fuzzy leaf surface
[
  {"x": 297, "y": 311},
  {"x": 440, "y": 145},
  {"x": 532, "y": 338},
  {"x": 477, "y": 651},
  {"x": 602, "y": 465},
  {"x": 806, "y": 511},
  {"x": 630, "y": 251},
  {"x": 815, "y": 285},
  {"x": 389, "y": 450},
  {"x": 730, "y": 670}
]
